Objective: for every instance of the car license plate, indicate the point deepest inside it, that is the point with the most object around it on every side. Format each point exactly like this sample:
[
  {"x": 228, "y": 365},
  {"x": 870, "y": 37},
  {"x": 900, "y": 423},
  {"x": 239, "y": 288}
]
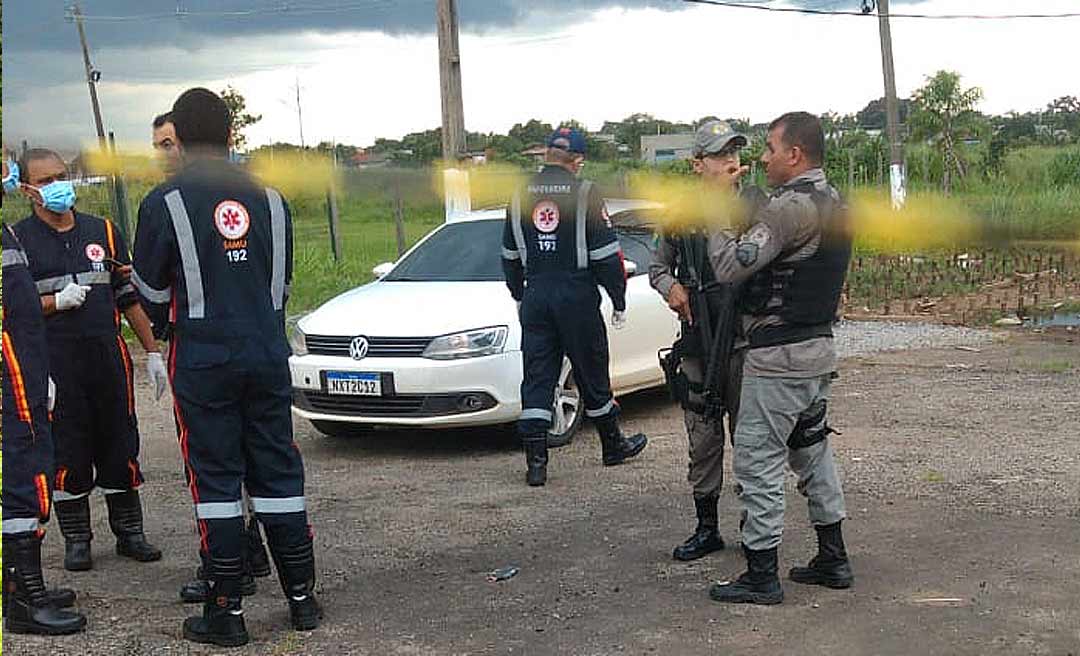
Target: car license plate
[{"x": 353, "y": 384}]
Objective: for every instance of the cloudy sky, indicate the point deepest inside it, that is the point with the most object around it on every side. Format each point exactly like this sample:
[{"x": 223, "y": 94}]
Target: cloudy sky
[{"x": 369, "y": 68}]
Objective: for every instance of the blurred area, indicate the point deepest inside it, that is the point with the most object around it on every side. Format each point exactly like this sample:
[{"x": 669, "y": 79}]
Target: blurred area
[{"x": 993, "y": 246}]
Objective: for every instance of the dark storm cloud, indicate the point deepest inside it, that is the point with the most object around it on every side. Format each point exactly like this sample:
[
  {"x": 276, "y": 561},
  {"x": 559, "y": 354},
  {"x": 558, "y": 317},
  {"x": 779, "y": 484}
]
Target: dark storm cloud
[
  {"x": 35, "y": 26},
  {"x": 146, "y": 42}
]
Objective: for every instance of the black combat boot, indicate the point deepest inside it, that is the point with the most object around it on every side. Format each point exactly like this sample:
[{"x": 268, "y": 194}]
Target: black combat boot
[
  {"x": 74, "y": 518},
  {"x": 222, "y": 620},
  {"x": 27, "y": 607},
  {"x": 706, "y": 539},
  {"x": 830, "y": 567},
  {"x": 258, "y": 560},
  {"x": 198, "y": 591},
  {"x": 616, "y": 448},
  {"x": 126, "y": 522},
  {"x": 58, "y": 597},
  {"x": 536, "y": 459},
  {"x": 295, "y": 565},
  {"x": 759, "y": 584}
]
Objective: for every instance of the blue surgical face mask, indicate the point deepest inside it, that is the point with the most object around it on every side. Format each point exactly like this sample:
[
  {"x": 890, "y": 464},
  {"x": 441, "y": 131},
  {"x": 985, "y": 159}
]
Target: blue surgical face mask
[
  {"x": 58, "y": 197},
  {"x": 11, "y": 180}
]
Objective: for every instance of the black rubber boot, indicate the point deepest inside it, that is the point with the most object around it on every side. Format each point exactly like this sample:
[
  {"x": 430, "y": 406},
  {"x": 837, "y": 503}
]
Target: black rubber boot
[
  {"x": 126, "y": 522},
  {"x": 27, "y": 607},
  {"x": 616, "y": 448},
  {"x": 759, "y": 584},
  {"x": 74, "y": 518},
  {"x": 536, "y": 459},
  {"x": 706, "y": 539},
  {"x": 295, "y": 565},
  {"x": 222, "y": 620},
  {"x": 258, "y": 559},
  {"x": 198, "y": 591},
  {"x": 830, "y": 567},
  {"x": 57, "y": 597}
]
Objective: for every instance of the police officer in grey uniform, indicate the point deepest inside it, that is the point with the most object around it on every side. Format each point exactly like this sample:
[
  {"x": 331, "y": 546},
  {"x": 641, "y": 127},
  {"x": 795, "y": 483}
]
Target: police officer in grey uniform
[
  {"x": 792, "y": 263},
  {"x": 680, "y": 265}
]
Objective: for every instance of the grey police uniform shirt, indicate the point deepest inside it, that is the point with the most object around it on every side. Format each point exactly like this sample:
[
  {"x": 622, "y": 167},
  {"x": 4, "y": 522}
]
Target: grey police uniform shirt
[
  {"x": 662, "y": 267},
  {"x": 787, "y": 220}
]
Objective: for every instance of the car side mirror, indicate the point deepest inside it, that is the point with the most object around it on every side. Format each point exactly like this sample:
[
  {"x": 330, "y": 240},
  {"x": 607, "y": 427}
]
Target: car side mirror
[
  {"x": 631, "y": 268},
  {"x": 383, "y": 269}
]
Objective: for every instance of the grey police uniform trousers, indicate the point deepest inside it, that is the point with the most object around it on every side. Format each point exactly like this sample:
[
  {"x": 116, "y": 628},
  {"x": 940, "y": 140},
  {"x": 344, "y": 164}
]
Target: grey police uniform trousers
[
  {"x": 706, "y": 471},
  {"x": 769, "y": 409}
]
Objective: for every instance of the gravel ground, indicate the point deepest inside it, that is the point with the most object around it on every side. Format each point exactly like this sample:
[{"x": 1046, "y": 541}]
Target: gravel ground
[
  {"x": 962, "y": 478},
  {"x": 863, "y": 337}
]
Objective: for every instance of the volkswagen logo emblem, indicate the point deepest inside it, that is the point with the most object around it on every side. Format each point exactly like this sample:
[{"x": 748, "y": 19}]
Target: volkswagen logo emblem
[{"x": 358, "y": 348}]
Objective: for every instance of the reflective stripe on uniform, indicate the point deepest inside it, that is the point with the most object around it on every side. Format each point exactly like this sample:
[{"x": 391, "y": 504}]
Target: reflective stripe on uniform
[
  {"x": 277, "y": 506},
  {"x": 112, "y": 240},
  {"x": 62, "y": 495},
  {"x": 109, "y": 490},
  {"x": 93, "y": 278},
  {"x": 57, "y": 283},
  {"x": 535, "y": 413},
  {"x": 277, "y": 231},
  {"x": 54, "y": 284},
  {"x": 151, "y": 294},
  {"x": 604, "y": 251},
  {"x": 189, "y": 254},
  {"x": 515, "y": 226},
  {"x": 219, "y": 510},
  {"x": 21, "y": 525},
  {"x": 510, "y": 255},
  {"x": 13, "y": 257},
  {"x": 582, "y": 217},
  {"x": 601, "y": 411},
  {"x": 18, "y": 385}
]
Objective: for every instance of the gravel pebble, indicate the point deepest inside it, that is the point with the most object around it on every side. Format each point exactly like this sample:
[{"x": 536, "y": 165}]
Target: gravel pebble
[{"x": 864, "y": 337}]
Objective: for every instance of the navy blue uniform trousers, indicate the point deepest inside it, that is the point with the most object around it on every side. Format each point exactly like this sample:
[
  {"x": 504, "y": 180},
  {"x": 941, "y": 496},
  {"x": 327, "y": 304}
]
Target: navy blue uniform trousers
[{"x": 560, "y": 317}]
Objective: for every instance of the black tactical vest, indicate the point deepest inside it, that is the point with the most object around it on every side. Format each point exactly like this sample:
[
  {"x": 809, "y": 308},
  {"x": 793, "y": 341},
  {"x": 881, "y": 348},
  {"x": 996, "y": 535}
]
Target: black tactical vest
[{"x": 809, "y": 290}]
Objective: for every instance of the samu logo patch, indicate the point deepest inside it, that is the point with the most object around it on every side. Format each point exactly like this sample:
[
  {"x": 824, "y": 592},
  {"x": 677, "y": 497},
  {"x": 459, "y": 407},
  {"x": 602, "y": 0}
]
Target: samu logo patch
[{"x": 232, "y": 220}]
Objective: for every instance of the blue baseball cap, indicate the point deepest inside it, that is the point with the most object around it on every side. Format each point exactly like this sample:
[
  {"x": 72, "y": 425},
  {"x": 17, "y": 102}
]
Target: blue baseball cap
[{"x": 567, "y": 139}]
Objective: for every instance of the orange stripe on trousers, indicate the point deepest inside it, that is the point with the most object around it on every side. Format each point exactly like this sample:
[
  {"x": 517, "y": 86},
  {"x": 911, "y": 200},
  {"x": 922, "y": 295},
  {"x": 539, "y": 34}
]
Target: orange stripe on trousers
[{"x": 22, "y": 404}]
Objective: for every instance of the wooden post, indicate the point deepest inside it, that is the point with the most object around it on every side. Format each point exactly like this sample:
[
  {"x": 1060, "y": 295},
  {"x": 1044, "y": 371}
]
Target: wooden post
[
  {"x": 92, "y": 77},
  {"x": 453, "y": 115},
  {"x": 898, "y": 185},
  {"x": 399, "y": 218},
  {"x": 335, "y": 223}
]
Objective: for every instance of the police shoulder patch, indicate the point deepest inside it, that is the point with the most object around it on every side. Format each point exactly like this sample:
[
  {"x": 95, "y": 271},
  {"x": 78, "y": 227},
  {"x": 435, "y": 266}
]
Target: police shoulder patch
[{"x": 747, "y": 253}]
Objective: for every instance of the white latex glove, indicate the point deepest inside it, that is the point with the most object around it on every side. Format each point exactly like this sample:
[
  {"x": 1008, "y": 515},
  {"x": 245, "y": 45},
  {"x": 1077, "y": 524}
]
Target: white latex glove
[
  {"x": 71, "y": 297},
  {"x": 159, "y": 376},
  {"x": 618, "y": 319},
  {"x": 52, "y": 395}
]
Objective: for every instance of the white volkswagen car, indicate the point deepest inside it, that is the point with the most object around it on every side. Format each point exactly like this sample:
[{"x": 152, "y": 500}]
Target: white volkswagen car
[{"x": 435, "y": 341}]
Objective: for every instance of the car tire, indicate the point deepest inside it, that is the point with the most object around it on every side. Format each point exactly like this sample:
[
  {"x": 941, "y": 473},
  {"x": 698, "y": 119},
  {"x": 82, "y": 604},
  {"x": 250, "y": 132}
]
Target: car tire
[
  {"x": 340, "y": 429},
  {"x": 567, "y": 411}
]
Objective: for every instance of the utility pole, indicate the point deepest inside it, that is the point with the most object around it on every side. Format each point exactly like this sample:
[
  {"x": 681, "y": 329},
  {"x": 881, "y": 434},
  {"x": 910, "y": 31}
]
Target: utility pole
[
  {"x": 92, "y": 77},
  {"x": 299, "y": 113},
  {"x": 897, "y": 183},
  {"x": 453, "y": 116}
]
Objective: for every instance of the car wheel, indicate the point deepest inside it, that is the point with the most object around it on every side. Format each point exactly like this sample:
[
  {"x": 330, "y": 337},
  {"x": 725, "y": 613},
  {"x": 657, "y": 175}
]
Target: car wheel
[
  {"x": 566, "y": 414},
  {"x": 340, "y": 429}
]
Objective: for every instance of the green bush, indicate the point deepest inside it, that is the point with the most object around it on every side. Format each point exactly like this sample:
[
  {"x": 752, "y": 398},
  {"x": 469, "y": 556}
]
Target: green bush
[{"x": 1064, "y": 168}]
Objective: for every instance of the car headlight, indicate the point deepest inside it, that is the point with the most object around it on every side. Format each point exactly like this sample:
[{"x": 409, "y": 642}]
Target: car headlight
[
  {"x": 469, "y": 344},
  {"x": 297, "y": 338}
]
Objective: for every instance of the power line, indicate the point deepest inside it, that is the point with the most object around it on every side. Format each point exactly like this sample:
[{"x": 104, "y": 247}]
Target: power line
[
  {"x": 284, "y": 9},
  {"x": 830, "y": 12}
]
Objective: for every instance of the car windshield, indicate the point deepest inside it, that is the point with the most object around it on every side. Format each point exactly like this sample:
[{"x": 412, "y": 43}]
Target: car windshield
[{"x": 471, "y": 251}]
